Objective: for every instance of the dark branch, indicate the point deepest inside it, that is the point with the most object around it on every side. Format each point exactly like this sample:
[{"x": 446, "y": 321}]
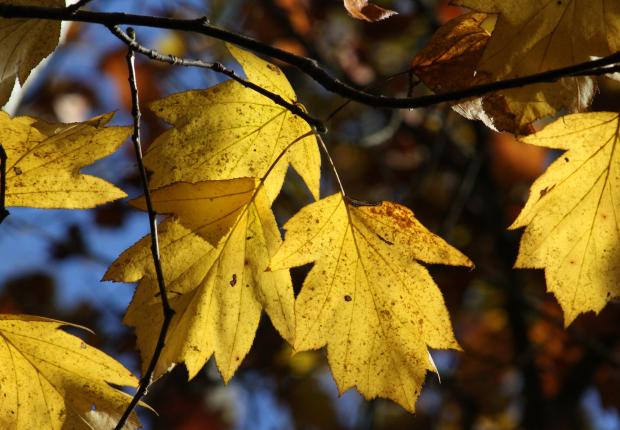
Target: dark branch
[
  {"x": 78, "y": 5},
  {"x": 218, "y": 68},
  {"x": 3, "y": 158},
  {"x": 168, "y": 312},
  {"x": 306, "y": 65}
]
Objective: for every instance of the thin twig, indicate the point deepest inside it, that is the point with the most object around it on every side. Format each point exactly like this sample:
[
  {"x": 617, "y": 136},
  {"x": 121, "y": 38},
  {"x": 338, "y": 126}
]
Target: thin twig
[
  {"x": 78, "y": 5},
  {"x": 3, "y": 211},
  {"x": 168, "y": 312},
  {"x": 307, "y": 65},
  {"x": 218, "y": 68}
]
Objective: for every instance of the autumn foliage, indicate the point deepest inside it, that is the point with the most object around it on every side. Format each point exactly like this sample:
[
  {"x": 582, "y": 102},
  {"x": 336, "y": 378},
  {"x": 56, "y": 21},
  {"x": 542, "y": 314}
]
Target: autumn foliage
[{"x": 221, "y": 162}]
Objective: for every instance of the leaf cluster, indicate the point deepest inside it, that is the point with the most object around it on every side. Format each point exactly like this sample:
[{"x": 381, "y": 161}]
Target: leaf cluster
[{"x": 219, "y": 259}]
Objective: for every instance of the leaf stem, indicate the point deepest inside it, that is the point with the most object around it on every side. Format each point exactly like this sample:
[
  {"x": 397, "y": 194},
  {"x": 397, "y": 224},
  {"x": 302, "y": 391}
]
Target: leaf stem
[
  {"x": 168, "y": 312},
  {"x": 283, "y": 153},
  {"x": 332, "y": 164},
  {"x": 3, "y": 159}
]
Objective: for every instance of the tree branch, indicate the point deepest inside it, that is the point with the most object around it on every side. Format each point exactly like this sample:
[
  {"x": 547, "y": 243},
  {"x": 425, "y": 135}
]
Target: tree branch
[
  {"x": 78, "y": 5},
  {"x": 3, "y": 158},
  {"x": 307, "y": 65},
  {"x": 218, "y": 68},
  {"x": 167, "y": 310}
]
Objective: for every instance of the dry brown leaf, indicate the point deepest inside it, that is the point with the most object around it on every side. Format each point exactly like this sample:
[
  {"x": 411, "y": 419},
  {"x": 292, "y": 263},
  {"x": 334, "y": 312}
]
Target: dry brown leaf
[
  {"x": 448, "y": 62},
  {"x": 362, "y": 9}
]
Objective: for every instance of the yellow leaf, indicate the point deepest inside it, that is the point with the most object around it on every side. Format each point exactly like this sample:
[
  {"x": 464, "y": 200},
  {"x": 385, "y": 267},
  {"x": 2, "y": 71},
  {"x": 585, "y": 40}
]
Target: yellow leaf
[
  {"x": 363, "y": 9},
  {"x": 51, "y": 379},
  {"x": 217, "y": 292},
  {"x": 572, "y": 213},
  {"x": 25, "y": 42},
  {"x": 532, "y": 36},
  {"x": 367, "y": 297},
  {"x": 44, "y": 161},
  {"x": 208, "y": 208},
  {"x": 230, "y": 131}
]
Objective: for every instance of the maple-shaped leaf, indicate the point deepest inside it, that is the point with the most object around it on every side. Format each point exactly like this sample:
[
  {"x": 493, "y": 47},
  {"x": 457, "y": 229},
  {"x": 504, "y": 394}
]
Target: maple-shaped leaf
[
  {"x": 50, "y": 379},
  {"x": 367, "y": 297},
  {"x": 44, "y": 161},
  {"x": 572, "y": 213},
  {"x": 532, "y": 36},
  {"x": 217, "y": 292},
  {"x": 367, "y": 11},
  {"x": 25, "y": 42},
  {"x": 230, "y": 131}
]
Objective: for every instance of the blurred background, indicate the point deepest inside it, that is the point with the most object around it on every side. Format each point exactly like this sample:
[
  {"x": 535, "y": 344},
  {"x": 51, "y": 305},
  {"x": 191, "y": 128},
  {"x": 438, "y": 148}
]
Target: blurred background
[{"x": 519, "y": 369}]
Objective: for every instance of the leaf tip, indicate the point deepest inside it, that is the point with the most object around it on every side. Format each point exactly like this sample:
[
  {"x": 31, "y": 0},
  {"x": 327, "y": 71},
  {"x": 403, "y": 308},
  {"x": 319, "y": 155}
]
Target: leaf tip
[{"x": 138, "y": 203}]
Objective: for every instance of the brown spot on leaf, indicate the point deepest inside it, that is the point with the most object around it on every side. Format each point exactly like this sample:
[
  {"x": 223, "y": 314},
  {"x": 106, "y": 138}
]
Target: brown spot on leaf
[
  {"x": 273, "y": 68},
  {"x": 545, "y": 191},
  {"x": 400, "y": 215}
]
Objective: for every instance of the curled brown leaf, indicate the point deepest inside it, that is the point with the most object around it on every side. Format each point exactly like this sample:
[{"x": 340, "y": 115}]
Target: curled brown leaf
[{"x": 362, "y": 9}]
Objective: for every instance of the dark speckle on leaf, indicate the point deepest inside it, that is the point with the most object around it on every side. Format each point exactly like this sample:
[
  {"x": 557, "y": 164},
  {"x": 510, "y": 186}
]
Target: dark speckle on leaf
[{"x": 384, "y": 239}]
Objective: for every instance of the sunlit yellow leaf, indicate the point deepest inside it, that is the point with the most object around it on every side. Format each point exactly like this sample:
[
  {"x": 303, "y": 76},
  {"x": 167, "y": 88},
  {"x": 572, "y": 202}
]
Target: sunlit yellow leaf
[
  {"x": 44, "y": 161},
  {"x": 208, "y": 208},
  {"x": 368, "y": 298},
  {"x": 532, "y": 36},
  {"x": 25, "y": 42},
  {"x": 51, "y": 380},
  {"x": 217, "y": 292},
  {"x": 572, "y": 213},
  {"x": 230, "y": 131}
]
